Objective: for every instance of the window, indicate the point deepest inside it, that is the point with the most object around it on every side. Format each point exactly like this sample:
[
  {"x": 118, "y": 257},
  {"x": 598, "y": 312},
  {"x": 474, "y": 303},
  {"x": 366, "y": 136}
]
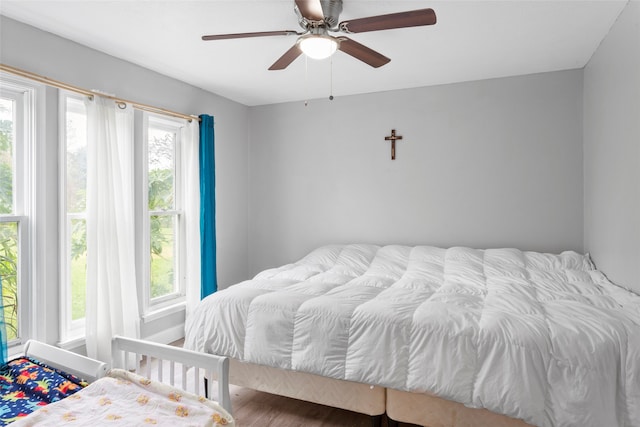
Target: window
[
  {"x": 160, "y": 239},
  {"x": 16, "y": 142},
  {"x": 163, "y": 212},
  {"x": 73, "y": 127},
  {"x": 43, "y": 188}
]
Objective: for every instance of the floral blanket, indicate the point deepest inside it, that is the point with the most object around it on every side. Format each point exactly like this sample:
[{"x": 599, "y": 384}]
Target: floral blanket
[
  {"x": 125, "y": 399},
  {"x": 27, "y": 385}
]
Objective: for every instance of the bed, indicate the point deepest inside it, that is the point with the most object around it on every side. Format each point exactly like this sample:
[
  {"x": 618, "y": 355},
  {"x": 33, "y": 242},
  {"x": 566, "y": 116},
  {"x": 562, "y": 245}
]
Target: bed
[
  {"x": 432, "y": 335},
  {"x": 145, "y": 392}
]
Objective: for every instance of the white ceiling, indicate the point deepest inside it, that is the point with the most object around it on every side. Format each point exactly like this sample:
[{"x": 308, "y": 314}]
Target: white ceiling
[{"x": 472, "y": 40}]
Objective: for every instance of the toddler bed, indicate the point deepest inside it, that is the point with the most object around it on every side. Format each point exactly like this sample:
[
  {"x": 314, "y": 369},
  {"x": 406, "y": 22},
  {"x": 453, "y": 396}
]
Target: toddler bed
[
  {"x": 119, "y": 396},
  {"x": 500, "y": 335},
  {"x": 45, "y": 374},
  {"x": 28, "y": 385}
]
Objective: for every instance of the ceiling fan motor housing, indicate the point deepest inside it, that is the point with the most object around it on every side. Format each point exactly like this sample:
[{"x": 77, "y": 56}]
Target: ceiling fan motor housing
[
  {"x": 332, "y": 10},
  {"x": 323, "y": 13}
]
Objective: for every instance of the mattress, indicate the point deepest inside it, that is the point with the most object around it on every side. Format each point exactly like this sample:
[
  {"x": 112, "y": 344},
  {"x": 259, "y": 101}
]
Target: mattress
[
  {"x": 545, "y": 338},
  {"x": 27, "y": 384},
  {"x": 125, "y": 399}
]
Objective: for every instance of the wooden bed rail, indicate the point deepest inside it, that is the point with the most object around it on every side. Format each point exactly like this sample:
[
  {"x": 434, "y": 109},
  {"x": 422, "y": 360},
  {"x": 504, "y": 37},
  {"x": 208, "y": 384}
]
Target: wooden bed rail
[
  {"x": 128, "y": 349},
  {"x": 82, "y": 367}
]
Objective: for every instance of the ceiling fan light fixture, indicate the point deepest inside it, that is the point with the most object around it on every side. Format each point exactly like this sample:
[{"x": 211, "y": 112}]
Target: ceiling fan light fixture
[{"x": 317, "y": 46}]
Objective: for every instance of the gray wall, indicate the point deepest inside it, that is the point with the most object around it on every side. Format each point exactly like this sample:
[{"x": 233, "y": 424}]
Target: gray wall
[
  {"x": 40, "y": 52},
  {"x": 612, "y": 151},
  {"x": 492, "y": 163}
]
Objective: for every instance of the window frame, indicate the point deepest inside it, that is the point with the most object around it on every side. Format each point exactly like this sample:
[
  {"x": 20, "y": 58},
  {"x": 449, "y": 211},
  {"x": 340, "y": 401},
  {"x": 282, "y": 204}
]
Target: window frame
[
  {"x": 157, "y": 304},
  {"x": 26, "y": 97}
]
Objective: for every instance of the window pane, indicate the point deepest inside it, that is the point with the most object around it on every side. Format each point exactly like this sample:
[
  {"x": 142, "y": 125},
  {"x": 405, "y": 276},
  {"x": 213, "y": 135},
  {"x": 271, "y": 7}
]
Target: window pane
[
  {"x": 76, "y": 133},
  {"x": 9, "y": 276},
  {"x": 161, "y": 169},
  {"x": 78, "y": 268},
  {"x": 7, "y": 138},
  {"x": 162, "y": 255},
  {"x": 74, "y": 196}
]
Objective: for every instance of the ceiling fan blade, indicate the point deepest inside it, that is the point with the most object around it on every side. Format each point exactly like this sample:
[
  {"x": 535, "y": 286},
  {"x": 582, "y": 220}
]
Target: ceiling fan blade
[
  {"x": 361, "y": 52},
  {"x": 246, "y": 35},
  {"x": 412, "y": 18},
  {"x": 286, "y": 59},
  {"x": 310, "y": 9}
]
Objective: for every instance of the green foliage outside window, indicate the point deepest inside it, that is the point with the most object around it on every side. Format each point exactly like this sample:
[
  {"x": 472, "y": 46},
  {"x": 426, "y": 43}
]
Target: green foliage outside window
[
  {"x": 9, "y": 276},
  {"x": 6, "y": 160},
  {"x": 161, "y": 197},
  {"x": 8, "y": 232}
]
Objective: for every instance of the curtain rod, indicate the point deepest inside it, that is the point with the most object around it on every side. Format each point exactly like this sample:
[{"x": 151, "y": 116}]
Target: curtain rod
[{"x": 90, "y": 93}]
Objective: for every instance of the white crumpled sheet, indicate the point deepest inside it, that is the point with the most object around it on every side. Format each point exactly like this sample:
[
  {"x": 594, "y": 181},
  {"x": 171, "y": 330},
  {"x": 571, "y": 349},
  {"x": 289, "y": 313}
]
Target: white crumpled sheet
[{"x": 125, "y": 399}]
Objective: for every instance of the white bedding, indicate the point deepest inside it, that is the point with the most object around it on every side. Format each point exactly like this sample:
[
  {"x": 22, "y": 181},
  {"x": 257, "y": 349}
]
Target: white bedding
[
  {"x": 540, "y": 337},
  {"x": 125, "y": 399}
]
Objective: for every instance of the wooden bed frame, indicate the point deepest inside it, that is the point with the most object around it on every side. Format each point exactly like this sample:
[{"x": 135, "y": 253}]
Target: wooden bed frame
[
  {"x": 81, "y": 366},
  {"x": 124, "y": 349}
]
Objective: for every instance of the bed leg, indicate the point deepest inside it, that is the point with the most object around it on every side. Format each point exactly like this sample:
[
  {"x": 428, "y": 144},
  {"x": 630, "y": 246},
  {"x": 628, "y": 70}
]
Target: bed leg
[
  {"x": 376, "y": 421},
  {"x": 391, "y": 422},
  {"x": 206, "y": 387}
]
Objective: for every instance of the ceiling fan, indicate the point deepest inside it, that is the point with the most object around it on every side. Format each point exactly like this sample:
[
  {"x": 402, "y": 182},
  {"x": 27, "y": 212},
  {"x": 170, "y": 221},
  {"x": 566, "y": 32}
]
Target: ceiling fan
[{"x": 320, "y": 17}]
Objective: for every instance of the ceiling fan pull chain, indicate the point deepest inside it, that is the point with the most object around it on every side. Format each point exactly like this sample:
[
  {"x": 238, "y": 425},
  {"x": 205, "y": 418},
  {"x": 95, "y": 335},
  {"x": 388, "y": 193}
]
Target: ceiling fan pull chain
[
  {"x": 306, "y": 80},
  {"x": 331, "y": 79}
]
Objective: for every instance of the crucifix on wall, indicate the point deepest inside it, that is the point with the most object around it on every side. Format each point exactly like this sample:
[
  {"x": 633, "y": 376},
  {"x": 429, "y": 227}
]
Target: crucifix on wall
[{"x": 393, "y": 138}]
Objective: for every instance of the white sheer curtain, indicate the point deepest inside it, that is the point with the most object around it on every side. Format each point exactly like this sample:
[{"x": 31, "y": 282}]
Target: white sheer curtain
[
  {"x": 191, "y": 167},
  {"x": 112, "y": 299}
]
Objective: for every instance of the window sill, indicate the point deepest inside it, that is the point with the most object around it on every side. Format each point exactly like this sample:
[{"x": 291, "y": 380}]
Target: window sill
[
  {"x": 161, "y": 312},
  {"x": 72, "y": 344},
  {"x": 15, "y": 351}
]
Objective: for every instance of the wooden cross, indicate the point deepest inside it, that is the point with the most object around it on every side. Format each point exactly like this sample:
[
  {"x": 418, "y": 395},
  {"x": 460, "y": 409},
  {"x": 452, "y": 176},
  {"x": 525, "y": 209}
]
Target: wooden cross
[{"x": 393, "y": 139}]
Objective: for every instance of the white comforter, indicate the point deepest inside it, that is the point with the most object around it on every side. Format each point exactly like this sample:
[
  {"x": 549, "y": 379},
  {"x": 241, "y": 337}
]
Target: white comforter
[{"x": 545, "y": 338}]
